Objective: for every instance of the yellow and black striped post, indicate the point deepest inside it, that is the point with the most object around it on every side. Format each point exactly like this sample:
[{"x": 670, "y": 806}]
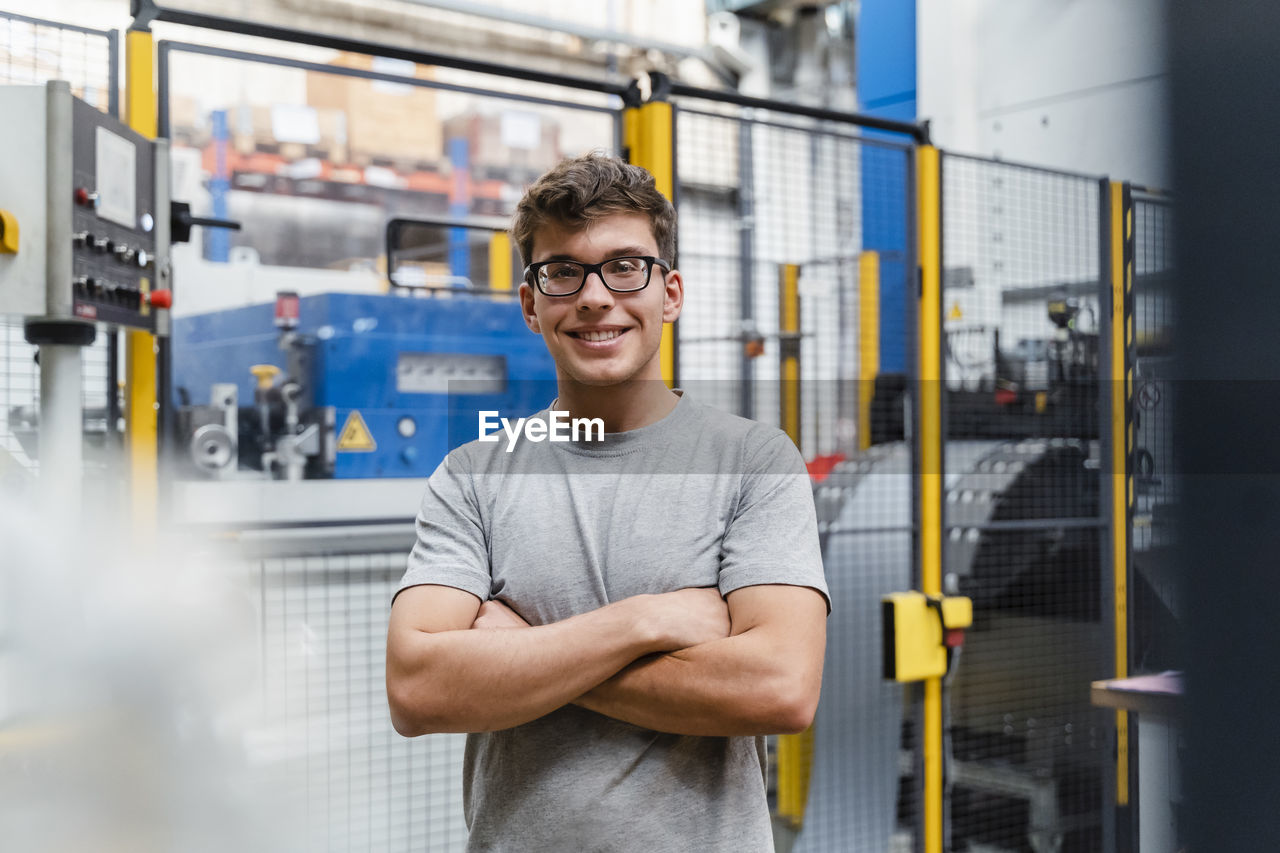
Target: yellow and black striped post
[
  {"x": 1121, "y": 385},
  {"x": 868, "y": 340},
  {"x": 929, "y": 312},
  {"x": 795, "y": 752},
  {"x": 648, "y": 135},
  {"x": 140, "y": 347},
  {"x": 789, "y": 350}
]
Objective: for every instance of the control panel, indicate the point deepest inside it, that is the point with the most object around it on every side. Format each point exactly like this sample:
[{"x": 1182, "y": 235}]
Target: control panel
[
  {"x": 113, "y": 220},
  {"x": 86, "y": 226}
]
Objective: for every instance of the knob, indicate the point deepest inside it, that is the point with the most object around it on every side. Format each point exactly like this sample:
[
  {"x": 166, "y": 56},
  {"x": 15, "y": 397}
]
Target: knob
[
  {"x": 142, "y": 258},
  {"x": 123, "y": 253},
  {"x": 81, "y": 238},
  {"x": 102, "y": 245},
  {"x": 265, "y": 374},
  {"x": 86, "y": 198}
]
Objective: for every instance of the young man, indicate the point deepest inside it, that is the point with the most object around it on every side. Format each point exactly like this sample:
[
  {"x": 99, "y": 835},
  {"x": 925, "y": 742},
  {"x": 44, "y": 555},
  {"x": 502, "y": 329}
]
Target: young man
[{"x": 617, "y": 622}]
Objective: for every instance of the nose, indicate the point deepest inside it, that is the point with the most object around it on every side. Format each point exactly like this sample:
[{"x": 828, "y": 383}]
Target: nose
[{"x": 594, "y": 294}]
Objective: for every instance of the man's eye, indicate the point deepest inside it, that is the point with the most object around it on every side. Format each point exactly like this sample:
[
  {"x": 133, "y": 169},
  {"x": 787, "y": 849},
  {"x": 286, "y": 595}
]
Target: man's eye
[
  {"x": 624, "y": 266},
  {"x": 563, "y": 272}
]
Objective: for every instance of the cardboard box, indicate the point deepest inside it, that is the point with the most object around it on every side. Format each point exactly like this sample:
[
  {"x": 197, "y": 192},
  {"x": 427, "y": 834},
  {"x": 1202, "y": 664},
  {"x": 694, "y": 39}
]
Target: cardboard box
[{"x": 382, "y": 119}]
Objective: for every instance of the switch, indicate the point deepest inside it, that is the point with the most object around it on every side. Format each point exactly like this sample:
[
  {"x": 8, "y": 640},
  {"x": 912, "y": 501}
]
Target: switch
[{"x": 102, "y": 245}]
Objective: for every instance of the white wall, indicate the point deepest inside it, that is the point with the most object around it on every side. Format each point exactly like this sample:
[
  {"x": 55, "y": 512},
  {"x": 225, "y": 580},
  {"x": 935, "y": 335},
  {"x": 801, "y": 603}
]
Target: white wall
[{"x": 1075, "y": 84}]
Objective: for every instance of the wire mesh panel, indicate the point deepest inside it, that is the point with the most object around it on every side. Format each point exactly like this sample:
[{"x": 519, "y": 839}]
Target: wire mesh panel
[
  {"x": 755, "y": 196},
  {"x": 767, "y": 202},
  {"x": 323, "y": 642},
  {"x": 1153, "y": 598},
  {"x": 33, "y": 52},
  {"x": 1024, "y": 530}
]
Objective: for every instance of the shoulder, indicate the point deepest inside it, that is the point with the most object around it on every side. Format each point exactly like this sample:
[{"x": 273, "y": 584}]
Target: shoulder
[{"x": 758, "y": 445}]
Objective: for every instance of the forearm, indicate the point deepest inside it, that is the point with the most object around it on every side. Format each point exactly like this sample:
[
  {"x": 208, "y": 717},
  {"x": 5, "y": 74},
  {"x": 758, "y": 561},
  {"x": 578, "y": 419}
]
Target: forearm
[
  {"x": 723, "y": 688},
  {"x": 484, "y": 680}
]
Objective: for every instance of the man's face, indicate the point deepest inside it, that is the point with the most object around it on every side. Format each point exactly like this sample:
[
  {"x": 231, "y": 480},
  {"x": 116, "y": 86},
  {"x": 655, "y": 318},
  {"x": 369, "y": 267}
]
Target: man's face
[{"x": 598, "y": 337}]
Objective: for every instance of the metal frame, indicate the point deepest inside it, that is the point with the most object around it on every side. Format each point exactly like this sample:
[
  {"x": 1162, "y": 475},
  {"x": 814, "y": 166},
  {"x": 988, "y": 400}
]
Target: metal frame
[
  {"x": 824, "y": 129},
  {"x": 165, "y": 48},
  {"x": 146, "y": 11},
  {"x": 919, "y": 132}
]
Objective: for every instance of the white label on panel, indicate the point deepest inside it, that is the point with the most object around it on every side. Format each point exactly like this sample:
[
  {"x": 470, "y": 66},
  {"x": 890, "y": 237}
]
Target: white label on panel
[{"x": 117, "y": 179}]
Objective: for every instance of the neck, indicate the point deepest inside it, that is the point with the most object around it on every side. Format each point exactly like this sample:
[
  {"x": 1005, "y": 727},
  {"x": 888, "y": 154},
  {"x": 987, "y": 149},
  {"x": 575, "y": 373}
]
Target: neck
[{"x": 622, "y": 407}]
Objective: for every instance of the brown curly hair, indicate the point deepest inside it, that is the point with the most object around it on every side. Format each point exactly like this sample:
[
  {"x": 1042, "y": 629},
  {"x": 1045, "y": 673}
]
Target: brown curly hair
[{"x": 582, "y": 190}]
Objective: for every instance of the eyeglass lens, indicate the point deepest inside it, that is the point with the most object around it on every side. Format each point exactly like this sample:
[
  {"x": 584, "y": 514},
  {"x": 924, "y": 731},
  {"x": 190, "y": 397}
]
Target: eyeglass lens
[{"x": 618, "y": 274}]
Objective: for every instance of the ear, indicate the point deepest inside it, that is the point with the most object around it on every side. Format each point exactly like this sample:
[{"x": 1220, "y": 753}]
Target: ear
[
  {"x": 526, "y": 308},
  {"x": 672, "y": 296}
]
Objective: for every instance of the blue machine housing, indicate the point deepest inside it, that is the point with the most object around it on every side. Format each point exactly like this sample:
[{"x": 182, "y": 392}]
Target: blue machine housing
[{"x": 356, "y": 343}]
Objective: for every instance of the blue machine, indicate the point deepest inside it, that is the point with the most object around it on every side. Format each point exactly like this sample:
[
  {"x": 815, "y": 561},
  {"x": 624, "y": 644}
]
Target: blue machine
[{"x": 392, "y": 383}]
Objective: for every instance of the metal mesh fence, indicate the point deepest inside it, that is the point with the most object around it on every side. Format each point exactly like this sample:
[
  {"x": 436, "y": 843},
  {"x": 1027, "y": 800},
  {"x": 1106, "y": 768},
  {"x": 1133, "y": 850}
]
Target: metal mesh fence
[
  {"x": 1153, "y": 593},
  {"x": 32, "y": 52},
  {"x": 1024, "y": 530},
  {"x": 762, "y": 198},
  {"x": 323, "y": 645},
  {"x": 755, "y": 196}
]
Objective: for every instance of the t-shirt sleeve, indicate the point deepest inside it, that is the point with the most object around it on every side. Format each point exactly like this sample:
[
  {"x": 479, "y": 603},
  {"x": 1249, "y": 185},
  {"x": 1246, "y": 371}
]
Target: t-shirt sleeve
[
  {"x": 773, "y": 537},
  {"x": 450, "y": 549}
]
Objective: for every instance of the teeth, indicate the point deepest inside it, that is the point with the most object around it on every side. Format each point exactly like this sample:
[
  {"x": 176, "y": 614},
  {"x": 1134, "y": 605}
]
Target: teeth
[{"x": 599, "y": 336}]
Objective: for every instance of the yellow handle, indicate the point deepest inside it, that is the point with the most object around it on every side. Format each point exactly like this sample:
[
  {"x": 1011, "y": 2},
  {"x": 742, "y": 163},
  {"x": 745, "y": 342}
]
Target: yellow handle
[
  {"x": 8, "y": 233},
  {"x": 265, "y": 374}
]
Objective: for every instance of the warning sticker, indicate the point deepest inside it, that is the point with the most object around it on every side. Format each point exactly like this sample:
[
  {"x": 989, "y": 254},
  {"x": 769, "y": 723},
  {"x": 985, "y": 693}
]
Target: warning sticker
[{"x": 355, "y": 435}]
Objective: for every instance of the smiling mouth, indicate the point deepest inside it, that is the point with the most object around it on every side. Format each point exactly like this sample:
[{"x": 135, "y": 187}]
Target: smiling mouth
[{"x": 597, "y": 337}]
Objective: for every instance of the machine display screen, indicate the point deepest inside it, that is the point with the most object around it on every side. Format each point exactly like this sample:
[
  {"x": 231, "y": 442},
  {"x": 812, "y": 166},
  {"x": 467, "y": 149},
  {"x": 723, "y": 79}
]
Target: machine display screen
[{"x": 444, "y": 373}]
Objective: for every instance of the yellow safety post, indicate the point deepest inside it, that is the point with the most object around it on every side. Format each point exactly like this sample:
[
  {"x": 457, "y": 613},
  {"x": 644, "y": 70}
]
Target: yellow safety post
[
  {"x": 868, "y": 340},
  {"x": 140, "y": 347},
  {"x": 789, "y": 349},
  {"x": 500, "y": 261},
  {"x": 795, "y": 752},
  {"x": 930, "y": 405},
  {"x": 1121, "y": 451},
  {"x": 647, "y": 133}
]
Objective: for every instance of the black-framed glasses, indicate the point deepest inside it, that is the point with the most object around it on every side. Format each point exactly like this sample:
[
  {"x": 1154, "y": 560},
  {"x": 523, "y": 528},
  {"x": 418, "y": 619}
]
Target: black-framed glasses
[{"x": 565, "y": 278}]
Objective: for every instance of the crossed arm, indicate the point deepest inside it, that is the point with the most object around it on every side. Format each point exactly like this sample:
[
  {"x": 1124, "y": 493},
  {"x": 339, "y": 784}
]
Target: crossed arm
[{"x": 683, "y": 662}]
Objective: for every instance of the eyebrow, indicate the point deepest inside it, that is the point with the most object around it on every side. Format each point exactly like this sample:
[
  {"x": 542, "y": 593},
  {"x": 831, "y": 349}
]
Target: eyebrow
[{"x": 622, "y": 252}]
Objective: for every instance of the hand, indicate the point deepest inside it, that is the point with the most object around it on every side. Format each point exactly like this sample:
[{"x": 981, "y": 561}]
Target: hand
[
  {"x": 495, "y": 614},
  {"x": 690, "y": 617}
]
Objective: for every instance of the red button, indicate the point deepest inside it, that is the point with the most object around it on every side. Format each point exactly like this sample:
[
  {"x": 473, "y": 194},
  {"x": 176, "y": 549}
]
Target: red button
[
  {"x": 161, "y": 298},
  {"x": 82, "y": 196}
]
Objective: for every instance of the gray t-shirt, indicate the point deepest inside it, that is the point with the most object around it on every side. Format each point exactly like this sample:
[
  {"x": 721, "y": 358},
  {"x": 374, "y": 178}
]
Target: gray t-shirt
[{"x": 700, "y": 498}]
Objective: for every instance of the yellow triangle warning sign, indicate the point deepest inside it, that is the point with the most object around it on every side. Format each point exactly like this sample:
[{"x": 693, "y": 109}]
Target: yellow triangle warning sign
[
  {"x": 955, "y": 313},
  {"x": 355, "y": 435}
]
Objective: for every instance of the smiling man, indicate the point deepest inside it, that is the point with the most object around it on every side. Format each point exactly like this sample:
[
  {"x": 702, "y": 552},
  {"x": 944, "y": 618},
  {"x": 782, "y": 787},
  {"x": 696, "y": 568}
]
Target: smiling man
[{"x": 616, "y": 623}]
